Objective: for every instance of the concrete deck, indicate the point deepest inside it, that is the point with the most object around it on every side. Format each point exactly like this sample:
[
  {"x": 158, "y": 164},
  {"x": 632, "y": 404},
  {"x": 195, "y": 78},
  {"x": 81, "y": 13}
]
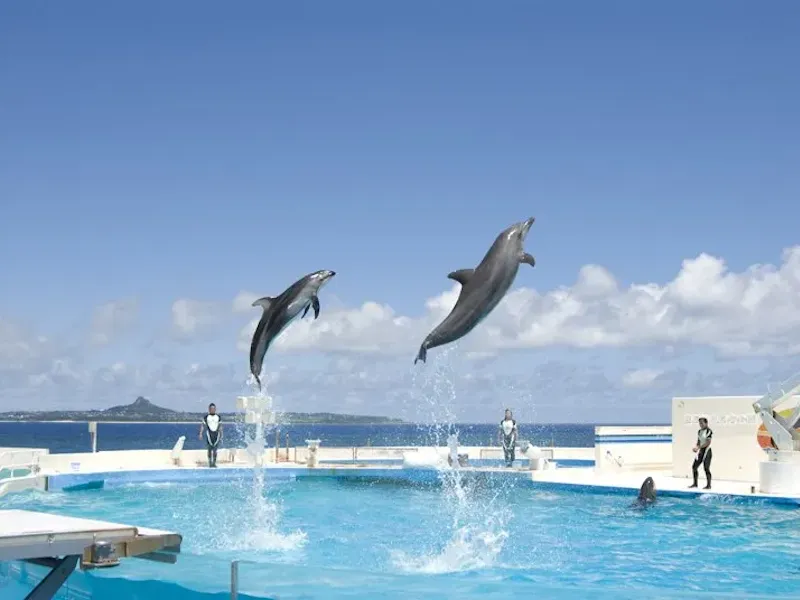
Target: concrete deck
[{"x": 666, "y": 484}]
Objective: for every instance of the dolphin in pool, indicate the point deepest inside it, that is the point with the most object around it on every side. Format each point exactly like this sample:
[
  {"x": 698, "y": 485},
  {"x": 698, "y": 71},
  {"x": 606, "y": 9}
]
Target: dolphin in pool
[
  {"x": 482, "y": 288},
  {"x": 647, "y": 493},
  {"x": 280, "y": 311}
]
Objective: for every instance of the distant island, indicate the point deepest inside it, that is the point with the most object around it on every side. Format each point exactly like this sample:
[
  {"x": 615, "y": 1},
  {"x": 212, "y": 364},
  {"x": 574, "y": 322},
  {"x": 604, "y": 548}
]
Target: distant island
[{"x": 144, "y": 411}]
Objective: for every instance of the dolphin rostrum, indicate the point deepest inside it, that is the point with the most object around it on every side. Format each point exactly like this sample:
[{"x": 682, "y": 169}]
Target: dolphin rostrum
[
  {"x": 482, "y": 288},
  {"x": 280, "y": 311}
]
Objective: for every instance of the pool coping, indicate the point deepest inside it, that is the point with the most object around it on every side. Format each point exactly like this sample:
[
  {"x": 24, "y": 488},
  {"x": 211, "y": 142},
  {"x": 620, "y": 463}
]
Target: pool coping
[
  {"x": 72, "y": 482},
  {"x": 68, "y": 482}
]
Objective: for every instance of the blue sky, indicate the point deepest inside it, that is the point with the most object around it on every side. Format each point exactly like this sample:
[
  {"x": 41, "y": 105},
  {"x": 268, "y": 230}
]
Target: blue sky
[{"x": 160, "y": 151}]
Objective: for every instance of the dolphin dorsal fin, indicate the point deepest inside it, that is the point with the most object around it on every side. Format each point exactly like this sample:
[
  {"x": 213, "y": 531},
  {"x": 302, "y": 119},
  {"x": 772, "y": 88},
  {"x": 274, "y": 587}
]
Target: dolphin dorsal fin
[
  {"x": 264, "y": 302},
  {"x": 462, "y": 276}
]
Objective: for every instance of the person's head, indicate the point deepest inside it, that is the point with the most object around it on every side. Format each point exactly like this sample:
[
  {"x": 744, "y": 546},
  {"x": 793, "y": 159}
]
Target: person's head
[
  {"x": 703, "y": 422},
  {"x": 508, "y": 414},
  {"x": 212, "y": 408}
]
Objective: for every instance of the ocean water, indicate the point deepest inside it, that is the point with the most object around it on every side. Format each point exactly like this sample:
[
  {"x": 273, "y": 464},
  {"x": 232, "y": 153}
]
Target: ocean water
[
  {"x": 74, "y": 437},
  {"x": 466, "y": 538}
]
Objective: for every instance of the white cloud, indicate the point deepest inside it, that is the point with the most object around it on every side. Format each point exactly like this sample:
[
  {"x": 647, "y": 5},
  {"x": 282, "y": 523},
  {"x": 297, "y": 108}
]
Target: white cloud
[
  {"x": 753, "y": 312},
  {"x": 641, "y": 378},
  {"x": 194, "y": 318},
  {"x": 24, "y": 352},
  {"x": 243, "y": 302},
  {"x": 363, "y": 355},
  {"x": 18, "y": 345},
  {"x": 112, "y": 319}
]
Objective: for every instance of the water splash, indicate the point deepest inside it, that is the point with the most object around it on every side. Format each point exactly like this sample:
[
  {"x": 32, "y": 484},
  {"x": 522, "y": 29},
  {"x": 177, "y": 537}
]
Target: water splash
[
  {"x": 470, "y": 548},
  {"x": 434, "y": 394},
  {"x": 258, "y": 524},
  {"x": 258, "y": 411},
  {"x": 477, "y": 528}
]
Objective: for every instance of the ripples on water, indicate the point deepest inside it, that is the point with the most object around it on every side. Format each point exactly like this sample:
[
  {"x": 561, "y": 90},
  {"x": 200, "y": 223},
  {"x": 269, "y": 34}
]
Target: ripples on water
[{"x": 345, "y": 534}]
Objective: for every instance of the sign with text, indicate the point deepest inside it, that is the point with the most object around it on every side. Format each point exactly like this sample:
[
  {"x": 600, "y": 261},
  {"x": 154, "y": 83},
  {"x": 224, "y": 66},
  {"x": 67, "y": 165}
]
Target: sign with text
[{"x": 724, "y": 420}]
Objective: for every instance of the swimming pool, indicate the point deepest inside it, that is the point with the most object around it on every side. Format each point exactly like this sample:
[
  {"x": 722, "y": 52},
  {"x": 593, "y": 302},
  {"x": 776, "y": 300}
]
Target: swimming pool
[{"x": 329, "y": 538}]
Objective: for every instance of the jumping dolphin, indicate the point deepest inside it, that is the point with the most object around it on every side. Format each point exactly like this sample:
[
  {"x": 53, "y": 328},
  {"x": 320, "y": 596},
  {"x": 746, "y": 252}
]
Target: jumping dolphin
[
  {"x": 482, "y": 288},
  {"x": 279, "y": 312}
]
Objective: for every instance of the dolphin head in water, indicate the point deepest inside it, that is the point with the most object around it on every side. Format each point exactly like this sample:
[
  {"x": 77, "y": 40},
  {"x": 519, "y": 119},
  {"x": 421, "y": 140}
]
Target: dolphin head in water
[{"x": 647, "y": 493}]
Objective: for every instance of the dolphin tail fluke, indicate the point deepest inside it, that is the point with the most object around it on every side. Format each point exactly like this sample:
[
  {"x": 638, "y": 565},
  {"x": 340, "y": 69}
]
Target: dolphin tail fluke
[
  {"x": 422, "y": 355},
  {"x": 258, "y": 381}
]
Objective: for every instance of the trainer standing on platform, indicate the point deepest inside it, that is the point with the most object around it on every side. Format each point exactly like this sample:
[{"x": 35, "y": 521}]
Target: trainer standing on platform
[
  {"x": 508, "y": 436},
  {"x": 703, "y": 450},
  {"x": 212, "y": 428}
]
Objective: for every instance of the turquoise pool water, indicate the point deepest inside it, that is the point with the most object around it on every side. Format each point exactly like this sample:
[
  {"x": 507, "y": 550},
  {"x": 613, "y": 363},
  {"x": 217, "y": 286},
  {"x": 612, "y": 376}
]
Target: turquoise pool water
[{"x": 326, "y": 538}]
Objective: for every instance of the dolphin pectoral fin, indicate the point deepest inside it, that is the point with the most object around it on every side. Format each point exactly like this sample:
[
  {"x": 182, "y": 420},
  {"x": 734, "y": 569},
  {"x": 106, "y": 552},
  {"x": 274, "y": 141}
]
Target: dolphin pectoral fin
[
  {"x": 264, "y": 302},
  {"x": 305, "y": 312},
  {"x": 315, "y": 305},
  {"x": 527, "y": 259},
  {"x": 462, "y": 276}
]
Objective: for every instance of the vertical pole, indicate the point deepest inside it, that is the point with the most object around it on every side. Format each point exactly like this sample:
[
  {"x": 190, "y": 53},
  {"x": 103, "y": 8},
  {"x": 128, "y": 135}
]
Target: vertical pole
[
  {"x": 234, "y": 580},
  {"x": 93, "y": 435},
  {"x": 287, "y": 447}
]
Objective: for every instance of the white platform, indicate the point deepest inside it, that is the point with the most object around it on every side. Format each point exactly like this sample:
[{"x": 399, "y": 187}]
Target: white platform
[
  {"x": 28, "y": 535},
  {"x": 662, "y": 477},
  {"x": 780, "y": 474}
]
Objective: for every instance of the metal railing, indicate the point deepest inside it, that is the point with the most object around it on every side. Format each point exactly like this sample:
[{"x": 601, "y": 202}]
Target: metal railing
[
  {"x": 498, "y": 454},
  {"x": 235, "y": 575},
  {"x": 234, "y": 580},
  {"x": 18, "y": 463},
  {"x": 617, "y": 460}
]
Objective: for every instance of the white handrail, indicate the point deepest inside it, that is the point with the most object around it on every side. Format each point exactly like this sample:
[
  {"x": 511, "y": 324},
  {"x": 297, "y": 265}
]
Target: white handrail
[
  {"x": 17, "y": 460},
  {"x": 616, "y": 459}
]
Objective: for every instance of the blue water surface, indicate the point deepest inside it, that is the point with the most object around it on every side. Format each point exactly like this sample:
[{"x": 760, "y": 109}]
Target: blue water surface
[
  {"x": 74, "y": 437},
  {"x": 470, "y": 538}
]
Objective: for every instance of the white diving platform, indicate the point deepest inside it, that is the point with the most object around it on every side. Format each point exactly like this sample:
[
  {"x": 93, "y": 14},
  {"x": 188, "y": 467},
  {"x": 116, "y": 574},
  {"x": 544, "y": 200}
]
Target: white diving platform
[{"x": 63, "y": 543}]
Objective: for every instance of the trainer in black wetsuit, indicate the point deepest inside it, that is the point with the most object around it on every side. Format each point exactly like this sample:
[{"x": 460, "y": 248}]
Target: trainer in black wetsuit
[
  {"x": 703, "y": 449},
  {"x": 211, "y": 428},
  {"x": 508, "y": 437}
]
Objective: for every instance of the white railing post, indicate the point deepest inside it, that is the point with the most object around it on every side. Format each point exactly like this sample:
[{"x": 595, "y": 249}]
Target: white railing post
[{"x": 93, "y": 435}]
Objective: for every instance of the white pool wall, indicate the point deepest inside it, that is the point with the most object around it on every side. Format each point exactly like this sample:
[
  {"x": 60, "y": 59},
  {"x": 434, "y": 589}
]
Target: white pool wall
[
  {"x": 155, "y": 459},
  {"x": 619, "y": 449}
]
